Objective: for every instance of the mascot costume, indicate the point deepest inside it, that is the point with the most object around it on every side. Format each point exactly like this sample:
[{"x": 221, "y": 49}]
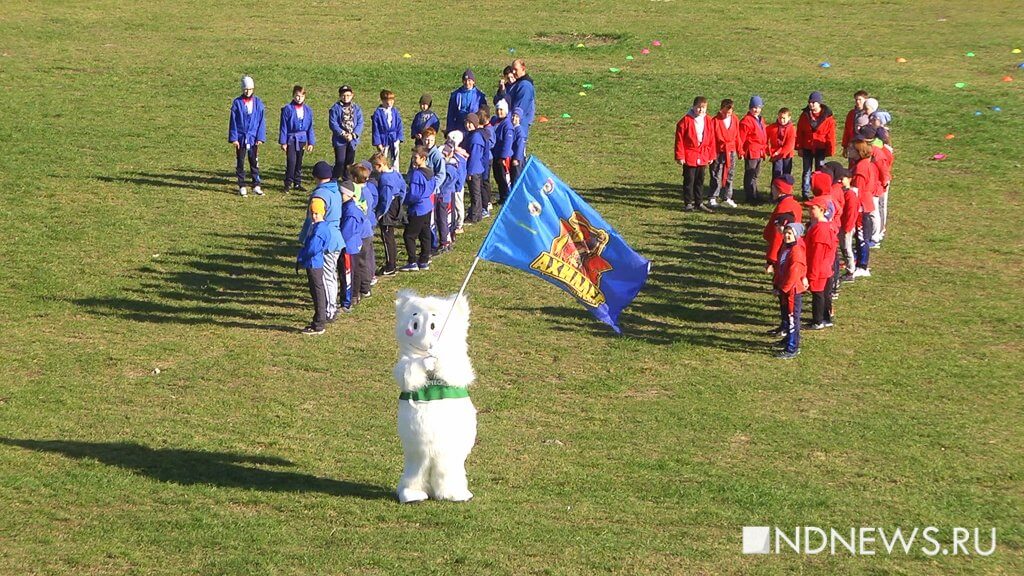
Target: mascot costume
[{"x": 436, "y": 419}]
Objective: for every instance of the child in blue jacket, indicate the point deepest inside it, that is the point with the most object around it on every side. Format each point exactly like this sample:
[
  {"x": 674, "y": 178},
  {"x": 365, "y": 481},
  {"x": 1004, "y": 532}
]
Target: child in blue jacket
[
  {"x": 247, "y": 130},
  {"x": 443, "y": 200},
  {"x": 311, "y": 257},
  {"x": 424, "y": 119},
  {"x": 352, "y": 218},
  {"x": 296, "y": 137},
  {"x": 518, "y": 147},
  {"x": 371, "y": 196},
  {"x": 487, "y": 128},
  {"x": 502, "y": 151},
  {"x": 346, "y": 121},
  {"x": 476, "y": 145},
  {"x": 366, "y": 199},
  {"x": 420, "y": 205},
  {"x": 387, "y": 126},
  {"x": 391, "y": 196},
  {"x": 327, "y": 191}
]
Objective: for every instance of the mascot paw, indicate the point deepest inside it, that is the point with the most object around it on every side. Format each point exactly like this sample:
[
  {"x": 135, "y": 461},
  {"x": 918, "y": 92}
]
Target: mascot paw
[
  {"x": 458, "y": 496},
  {"x": 408, "y": 496}
]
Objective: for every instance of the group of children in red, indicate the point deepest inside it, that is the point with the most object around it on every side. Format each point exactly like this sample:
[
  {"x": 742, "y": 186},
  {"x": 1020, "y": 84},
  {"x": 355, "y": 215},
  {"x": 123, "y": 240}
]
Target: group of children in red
[{"x": 848, "y": 213}]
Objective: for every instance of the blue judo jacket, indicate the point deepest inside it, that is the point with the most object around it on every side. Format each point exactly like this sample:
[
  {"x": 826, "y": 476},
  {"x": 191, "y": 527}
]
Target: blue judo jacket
[
  {"x": 382, "y": 135},
  {"x": 391, "y": 188},
  {"x": 462, "y": 102},
  {"x": 423, "y": 120},
  {"x": 245, "y": 128},
  {"x": 352, "y": 227},
  {"x": 476, "y": 145},
  {"x": 503, "y": 133},
  {"x": 295, "y": 131}
]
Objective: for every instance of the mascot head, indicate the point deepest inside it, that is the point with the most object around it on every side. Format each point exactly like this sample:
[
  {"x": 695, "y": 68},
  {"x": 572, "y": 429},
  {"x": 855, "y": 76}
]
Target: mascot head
[{"x": 419, "y": 322}]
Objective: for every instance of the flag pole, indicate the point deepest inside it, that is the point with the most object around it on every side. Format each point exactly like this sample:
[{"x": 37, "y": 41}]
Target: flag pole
[{"x": 476, "y": 260}]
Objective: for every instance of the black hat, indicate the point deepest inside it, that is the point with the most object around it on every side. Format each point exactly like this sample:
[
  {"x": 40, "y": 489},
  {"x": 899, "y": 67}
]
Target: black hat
[
  {"x": 425, "y": 99},
  {"x": 322, "y": 170},
  {"x": 344, "y": 88}
]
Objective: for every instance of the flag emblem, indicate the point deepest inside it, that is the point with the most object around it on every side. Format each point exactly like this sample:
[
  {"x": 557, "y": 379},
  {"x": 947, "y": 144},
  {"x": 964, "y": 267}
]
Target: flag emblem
[{"x": 575, "y": 259}]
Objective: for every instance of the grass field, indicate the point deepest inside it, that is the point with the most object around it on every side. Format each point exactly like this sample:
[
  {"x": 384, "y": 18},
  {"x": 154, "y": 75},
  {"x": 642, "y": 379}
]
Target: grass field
[{"x": 257, "y": 451}]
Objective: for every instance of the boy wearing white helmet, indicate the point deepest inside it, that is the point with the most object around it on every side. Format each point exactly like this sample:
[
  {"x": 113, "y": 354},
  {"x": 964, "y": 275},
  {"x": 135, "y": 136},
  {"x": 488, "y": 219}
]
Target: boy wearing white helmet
[{"x": 247, "y": 130}]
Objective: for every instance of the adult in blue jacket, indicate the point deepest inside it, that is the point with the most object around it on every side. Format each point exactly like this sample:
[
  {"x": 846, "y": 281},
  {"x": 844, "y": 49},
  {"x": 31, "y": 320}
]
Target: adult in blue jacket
[
  {"x": 523, "y": 95},
  {"x": 247, "y": 129},
  {"x": 346, "y": 120},
  {"x": 327, "y": 191},
  {"x": 296, "y": 137},
  {"x": 467, "y": 99}
]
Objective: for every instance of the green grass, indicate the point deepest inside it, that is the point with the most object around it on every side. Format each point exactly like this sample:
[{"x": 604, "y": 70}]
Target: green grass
[{"x": 256, "y": 451}]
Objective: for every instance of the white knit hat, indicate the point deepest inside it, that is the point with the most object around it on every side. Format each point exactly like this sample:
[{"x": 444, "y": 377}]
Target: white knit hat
[
  {"x": 871, "y": 105},
  {"x": 455, "y": 136},
  {"x": 502, "y": 105},
  {"x": 247, "y": 83}
]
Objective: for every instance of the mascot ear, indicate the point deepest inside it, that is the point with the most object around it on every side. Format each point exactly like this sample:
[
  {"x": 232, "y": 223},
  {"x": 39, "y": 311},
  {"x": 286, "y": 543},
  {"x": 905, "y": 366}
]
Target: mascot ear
[{"x": 404, "y": 298}]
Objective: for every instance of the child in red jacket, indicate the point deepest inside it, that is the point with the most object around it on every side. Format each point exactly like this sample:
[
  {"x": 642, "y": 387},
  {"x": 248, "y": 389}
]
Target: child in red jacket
[
  {"x": 782, "y": 194},
  {"x": 753, "y": 147},
  {"x": 882, "y": 157},
  {"x": 790, "y": 284},
  {"x": 815, "y": 137},
  {"x": 695, "y": 148},
  {"x": 821, "y": 243},
  {"x": 781, "y": 142},
  {"x": 727, "y": 141},
  {"x": 865, "y": 181}
]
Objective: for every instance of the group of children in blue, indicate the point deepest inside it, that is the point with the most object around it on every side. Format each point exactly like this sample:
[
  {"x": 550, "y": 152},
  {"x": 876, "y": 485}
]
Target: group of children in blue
[{"x": 352, "y": 200}]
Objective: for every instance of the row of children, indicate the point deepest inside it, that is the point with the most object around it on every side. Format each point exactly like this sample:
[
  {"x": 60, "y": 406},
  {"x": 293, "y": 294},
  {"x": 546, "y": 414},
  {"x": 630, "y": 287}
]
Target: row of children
[
  {"x": 718, "y": 141},
  {"x": 247, "y": 126},
  {"x": 338, "y": 251},
  {"x": 847, "y": 219}
]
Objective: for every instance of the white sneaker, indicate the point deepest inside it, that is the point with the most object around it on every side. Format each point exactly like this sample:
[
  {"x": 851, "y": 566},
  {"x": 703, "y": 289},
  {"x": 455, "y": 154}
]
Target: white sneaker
[
  {"x": 862, "y": 273},
  {"x": 729, "y": 203},
  {"x": 243, "y": 192},
  {"x": 713, "y": 202},
  {"x": 258, "y": 190}
]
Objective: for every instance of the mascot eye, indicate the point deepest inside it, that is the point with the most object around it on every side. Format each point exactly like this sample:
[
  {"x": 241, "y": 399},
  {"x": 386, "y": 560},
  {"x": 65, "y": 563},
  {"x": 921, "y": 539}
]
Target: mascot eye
[
  {"x": 415, "y": 325},
  {"x": 431, "y": 325}
]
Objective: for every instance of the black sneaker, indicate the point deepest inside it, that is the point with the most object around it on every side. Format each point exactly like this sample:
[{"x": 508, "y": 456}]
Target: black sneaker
[
  {"x": 386, "y": 272},
  {"x": 365, "y": 295},
  {"x": 312, "y": 330},
  {"x": 820, "y": 326},
  {"x": 787, "y": 355},
  {"x": 705, "y": 208},
  {"x": 775, "y": 332},
  {"x": 688, "y": 208},
  {"x": 414, "y": 267},
  {"x": 300, "y": 188}
]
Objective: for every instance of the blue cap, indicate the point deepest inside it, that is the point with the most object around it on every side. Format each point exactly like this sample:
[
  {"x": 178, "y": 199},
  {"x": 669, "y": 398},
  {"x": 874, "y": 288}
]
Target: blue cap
[
  {"x": 322, "y": 170},
  {"x": 468, "y": 74},
  {"x": 756, "y": 102},
  {"x": 815, "y": 97}
]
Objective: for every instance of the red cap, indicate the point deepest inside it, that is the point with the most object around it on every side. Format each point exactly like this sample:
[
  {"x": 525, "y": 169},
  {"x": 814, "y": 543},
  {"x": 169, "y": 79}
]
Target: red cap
[
  {"x": 784, "y": 186},
  {"x": 819, "y": 201}
]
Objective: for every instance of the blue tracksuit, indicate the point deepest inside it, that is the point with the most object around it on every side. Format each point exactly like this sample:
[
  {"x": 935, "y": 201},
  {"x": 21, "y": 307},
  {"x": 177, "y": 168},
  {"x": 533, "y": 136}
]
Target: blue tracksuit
[
  {"x": 336, "y": 119},
  {"x": 245, "y": 128},
  {"x": 421, "y": 191},
  {"x": 311, "y": 255},
  {"x": 462, "y": 102},
  {"x": 503, "y": 134},
  {"x": 352, "y": 218},
  {"x": 391, "y": 187},
  {"x": 382, "y": 134},
  {"x": 476, "y": 145},
  {"x": 523, "y": 96},
  {"x": 422, "y": 121},
  {"x": 519, "y": 144},
  {"x": 294, "y": 130},
  {"x": 331, "y": 196}
]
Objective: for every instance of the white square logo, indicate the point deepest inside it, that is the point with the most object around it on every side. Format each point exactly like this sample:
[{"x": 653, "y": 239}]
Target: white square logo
[{"x": 756, "y": 539}]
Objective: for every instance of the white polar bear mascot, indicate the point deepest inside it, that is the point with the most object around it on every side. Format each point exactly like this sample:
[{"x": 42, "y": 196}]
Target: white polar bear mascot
[{"x": 436, "y": 419}]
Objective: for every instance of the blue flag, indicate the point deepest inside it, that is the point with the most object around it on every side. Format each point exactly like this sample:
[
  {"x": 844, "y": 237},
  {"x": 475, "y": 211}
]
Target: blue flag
[{"x": 546, "y": 229}]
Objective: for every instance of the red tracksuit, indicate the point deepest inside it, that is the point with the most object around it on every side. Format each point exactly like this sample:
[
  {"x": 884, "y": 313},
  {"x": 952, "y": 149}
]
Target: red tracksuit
[
  {"x": 821, "y": 245},
  {"x": 786, "y": 205},
  {"x": 781, "y": 140},
  {"x": 753, "y": 138},
  {"x": 865, "y": 180},
  {"x": 821, "y": 138}
]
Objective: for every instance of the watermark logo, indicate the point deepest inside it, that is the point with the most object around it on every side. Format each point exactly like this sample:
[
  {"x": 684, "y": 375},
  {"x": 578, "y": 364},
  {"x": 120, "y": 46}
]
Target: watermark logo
[{"x": 869, "y": 541}]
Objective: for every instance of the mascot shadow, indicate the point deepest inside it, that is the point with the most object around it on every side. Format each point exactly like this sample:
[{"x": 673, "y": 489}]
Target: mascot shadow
[
  {"x": 236, "y": 281},
  {"x": 189, "y": 467}
]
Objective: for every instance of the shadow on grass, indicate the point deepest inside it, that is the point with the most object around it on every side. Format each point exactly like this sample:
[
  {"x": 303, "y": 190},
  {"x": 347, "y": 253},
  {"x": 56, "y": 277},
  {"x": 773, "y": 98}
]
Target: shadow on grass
[
  {"x": 245, "y": 281},
  {"x": 223, "y": 181},
  {"x": 188, "y": 467},
  {"x": 705, "y": 286}
]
